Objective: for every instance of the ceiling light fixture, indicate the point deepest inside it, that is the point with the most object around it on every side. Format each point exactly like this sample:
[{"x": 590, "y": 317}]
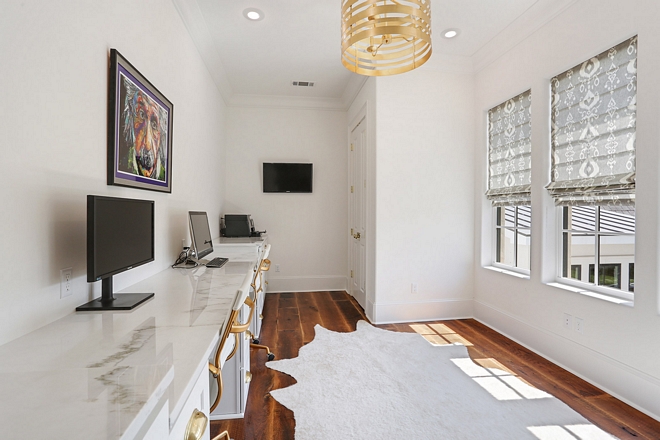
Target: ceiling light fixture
[
  {"x": 385, "y": 37},
  {"x": 253, "y": 14},
  {"x": 450, "y": 33}
]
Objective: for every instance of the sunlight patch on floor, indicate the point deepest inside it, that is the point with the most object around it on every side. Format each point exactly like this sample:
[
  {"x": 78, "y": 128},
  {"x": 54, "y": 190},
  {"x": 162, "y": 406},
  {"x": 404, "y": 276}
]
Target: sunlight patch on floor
[
  {"x": 569, "y": 432},
  {"x": 501, "y": 384},
  {"x": 439, "y": 334},
  {"x": 551, "y": 433}
]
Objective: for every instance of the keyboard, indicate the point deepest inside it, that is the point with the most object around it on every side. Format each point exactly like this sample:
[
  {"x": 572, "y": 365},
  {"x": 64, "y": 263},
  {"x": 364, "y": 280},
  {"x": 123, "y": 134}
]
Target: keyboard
[{"x": 217, "y": 262}]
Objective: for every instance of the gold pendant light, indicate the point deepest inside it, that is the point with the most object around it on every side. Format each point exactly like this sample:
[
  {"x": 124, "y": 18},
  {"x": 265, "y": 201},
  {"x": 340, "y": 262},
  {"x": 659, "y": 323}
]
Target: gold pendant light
[{"x": 385, "y": 37}]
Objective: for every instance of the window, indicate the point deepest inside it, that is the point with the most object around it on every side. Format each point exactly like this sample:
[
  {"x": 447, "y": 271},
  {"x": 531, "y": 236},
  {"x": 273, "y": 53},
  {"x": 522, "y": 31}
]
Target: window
[
  {"x": 576, "y": 271},
  {"x": 609, "y": 275},
  {"x": 513, "y": 236},
  {"x": 510, "y": 180},
  {"x": 631, "y": 277},
  {"x": 593, "y": 168},
  {"x": 598, "y": 236}
]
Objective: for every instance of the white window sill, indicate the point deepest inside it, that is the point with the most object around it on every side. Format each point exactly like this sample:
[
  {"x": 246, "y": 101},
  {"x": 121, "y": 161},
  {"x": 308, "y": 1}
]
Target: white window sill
[
  {"x": 508, "y": 272},
  {"x": 592, "y": 294}
]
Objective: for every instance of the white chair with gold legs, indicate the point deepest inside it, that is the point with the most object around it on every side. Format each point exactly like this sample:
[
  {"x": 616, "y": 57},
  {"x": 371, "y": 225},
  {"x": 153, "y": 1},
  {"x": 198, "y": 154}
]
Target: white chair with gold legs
[
  {"x": 232, "y": 325},
  {"x": 264, "y": 266}
]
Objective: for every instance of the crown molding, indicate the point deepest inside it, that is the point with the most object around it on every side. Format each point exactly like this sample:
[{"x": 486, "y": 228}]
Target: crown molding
[
  {"x": 192, "y": 18},
  {"x": 538, "y": 15},
  {"x": 534, "y": 18}
]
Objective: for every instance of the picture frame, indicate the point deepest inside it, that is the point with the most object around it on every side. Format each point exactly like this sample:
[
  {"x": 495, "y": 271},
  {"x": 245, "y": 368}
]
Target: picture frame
[{"x": 140, "y": 120}]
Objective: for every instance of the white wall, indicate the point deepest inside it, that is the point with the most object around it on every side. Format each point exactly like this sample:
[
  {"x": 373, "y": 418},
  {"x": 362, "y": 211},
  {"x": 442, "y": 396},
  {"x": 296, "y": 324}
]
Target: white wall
[
  {"x": 425, "y": 193},
  {"x": 619, "y": 349},
  {"x": 53, "y": 119},
  {"x": 307, "y": 231}
]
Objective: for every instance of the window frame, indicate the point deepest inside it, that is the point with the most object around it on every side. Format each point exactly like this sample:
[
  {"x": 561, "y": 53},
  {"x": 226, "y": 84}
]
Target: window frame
[
  {"x": 496, "y": 236},
  {"x": 581, "y": 285}
]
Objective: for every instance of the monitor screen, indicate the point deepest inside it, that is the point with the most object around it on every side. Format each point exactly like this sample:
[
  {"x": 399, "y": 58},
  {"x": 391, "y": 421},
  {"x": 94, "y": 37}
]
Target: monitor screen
[
  {"x": 287, "y": 177},
  {"x": 120, "y": 235},
  {"x": 200, "y": 233}
]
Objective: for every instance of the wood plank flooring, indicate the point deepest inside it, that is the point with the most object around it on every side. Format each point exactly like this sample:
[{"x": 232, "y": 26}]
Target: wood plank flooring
[{"x": 289, "y": 320}]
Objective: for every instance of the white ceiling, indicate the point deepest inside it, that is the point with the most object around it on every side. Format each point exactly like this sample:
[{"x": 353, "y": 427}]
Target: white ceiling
[{"x": 299, "y": 40}]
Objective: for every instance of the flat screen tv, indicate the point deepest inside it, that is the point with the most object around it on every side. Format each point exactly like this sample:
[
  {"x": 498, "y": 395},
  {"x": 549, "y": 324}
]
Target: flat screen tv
[
  {"x": 120, "y": 237},
  {"x": 287, "y": 177}
]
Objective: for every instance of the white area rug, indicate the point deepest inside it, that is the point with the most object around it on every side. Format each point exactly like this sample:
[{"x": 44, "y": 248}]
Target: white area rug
[{"x": 377, "y": 384}]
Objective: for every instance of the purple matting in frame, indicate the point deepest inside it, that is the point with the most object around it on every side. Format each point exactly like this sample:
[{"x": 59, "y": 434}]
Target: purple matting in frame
[{"x": 140, "y": 122}]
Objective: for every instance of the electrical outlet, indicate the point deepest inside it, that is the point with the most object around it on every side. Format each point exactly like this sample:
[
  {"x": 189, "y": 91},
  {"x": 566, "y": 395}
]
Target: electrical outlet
[
  {"x": 567, "y": 321},
  {"x": 579, "y": 325},
  {"x": 277, "y": 268},
  {"x": 66, "y": 278},
  {"x": 413, "y": 288}
]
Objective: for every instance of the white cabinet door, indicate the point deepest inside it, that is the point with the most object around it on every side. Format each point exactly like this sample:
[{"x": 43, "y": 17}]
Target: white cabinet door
[
  {"x": 197, "y": 400},
  {"x": 236, "y": 378}
]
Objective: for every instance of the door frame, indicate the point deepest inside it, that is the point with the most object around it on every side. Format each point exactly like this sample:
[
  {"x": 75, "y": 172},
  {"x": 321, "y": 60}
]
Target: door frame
[{"x": 359, "y": 119}]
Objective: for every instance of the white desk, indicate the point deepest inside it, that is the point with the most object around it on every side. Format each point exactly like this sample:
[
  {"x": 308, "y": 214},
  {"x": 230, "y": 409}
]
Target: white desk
[
  {"x": 257, "y": 246},
  {"x": 107, "y": 375}
]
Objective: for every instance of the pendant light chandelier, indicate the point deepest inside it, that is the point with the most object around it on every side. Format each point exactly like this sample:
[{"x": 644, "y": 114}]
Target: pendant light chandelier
[{"x": 385, "y": 37}]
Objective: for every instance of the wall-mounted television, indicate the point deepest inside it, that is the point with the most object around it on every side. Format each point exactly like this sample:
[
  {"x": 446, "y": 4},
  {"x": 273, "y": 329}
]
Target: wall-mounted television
[
  {"x": 287, "y": 177},
  {"x": 120, "y": 236}
]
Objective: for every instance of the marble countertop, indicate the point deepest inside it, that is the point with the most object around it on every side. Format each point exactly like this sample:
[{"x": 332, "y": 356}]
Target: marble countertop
[
  {"x": 240, "y": 240},
  {"x": 97, "y": 375}
]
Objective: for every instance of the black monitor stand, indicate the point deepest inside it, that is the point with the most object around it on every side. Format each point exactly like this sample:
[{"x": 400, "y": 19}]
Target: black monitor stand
[{"x": 108, "y": 301}]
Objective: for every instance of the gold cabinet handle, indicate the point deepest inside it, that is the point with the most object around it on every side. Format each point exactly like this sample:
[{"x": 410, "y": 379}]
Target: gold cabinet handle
[
  {"x": 356, "y": 236},
  {"x": 248, "y": 377},
  {"x": 196, "y": 426}
]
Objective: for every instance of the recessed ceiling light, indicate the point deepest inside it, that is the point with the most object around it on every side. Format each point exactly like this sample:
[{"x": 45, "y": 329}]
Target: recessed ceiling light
[
  {"x": 253, "y": 14},
  {"x": 450, "y": 33}
]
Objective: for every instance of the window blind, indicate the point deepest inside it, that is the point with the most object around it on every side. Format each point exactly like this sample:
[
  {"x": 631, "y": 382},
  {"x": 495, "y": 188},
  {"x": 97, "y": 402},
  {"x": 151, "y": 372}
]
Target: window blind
[
  {"x": 510, "y": 152},
  {"x": 593, "y": 114}
]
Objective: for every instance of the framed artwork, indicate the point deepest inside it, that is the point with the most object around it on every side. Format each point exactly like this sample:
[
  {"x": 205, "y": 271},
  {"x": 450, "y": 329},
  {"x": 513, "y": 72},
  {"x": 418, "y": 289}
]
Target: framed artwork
[{"x": 139, "y": 130}]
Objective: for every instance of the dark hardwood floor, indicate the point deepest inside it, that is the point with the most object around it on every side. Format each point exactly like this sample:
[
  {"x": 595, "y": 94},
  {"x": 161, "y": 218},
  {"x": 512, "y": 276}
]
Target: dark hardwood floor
[{"x": 289, "y": 320}]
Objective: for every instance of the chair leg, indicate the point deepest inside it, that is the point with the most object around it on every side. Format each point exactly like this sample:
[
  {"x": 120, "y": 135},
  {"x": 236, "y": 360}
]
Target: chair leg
[
  {"x": 271, "y": 356},
  {"x": 217, "y": 374},
  {"x": 222, "y": 435}
]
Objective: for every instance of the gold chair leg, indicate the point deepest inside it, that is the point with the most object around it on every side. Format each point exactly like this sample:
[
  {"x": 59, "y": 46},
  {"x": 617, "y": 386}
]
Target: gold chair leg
[
  {"x": 224, "y": 434},
  {"x": 271, "y": 356},
  {"x": 218, "y": 377},
  {"x": 233, "y": 352}
]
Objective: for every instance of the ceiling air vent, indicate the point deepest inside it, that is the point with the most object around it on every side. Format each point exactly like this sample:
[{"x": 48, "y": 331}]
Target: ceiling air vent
[{"x": 303, "y": 83}]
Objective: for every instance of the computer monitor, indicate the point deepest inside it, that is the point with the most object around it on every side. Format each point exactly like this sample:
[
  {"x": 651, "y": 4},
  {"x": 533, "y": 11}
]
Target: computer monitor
[
  {"x": 120, "y": 237},
  {"x": 200, "y": 234}
]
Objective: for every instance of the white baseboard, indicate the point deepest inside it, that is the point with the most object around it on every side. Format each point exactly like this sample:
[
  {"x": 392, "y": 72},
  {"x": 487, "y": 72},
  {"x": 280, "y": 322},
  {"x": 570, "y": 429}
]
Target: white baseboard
[
  {"x": 370, "y": 311},
  {"x": 306, "y": 284},
  {"x": 390, "y": 313},
  {"x": 634, "y": 387}
]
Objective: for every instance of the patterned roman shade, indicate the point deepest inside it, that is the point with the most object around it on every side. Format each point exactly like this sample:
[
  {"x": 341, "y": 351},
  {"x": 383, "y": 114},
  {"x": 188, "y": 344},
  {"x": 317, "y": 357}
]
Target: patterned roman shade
[
  {"x": 594, "y": 109},
  {"x": 510, "y": 152}
]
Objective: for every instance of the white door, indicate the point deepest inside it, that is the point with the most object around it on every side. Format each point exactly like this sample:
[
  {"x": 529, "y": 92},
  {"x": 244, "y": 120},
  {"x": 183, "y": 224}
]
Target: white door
[{"x": 357, "y": 211}]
